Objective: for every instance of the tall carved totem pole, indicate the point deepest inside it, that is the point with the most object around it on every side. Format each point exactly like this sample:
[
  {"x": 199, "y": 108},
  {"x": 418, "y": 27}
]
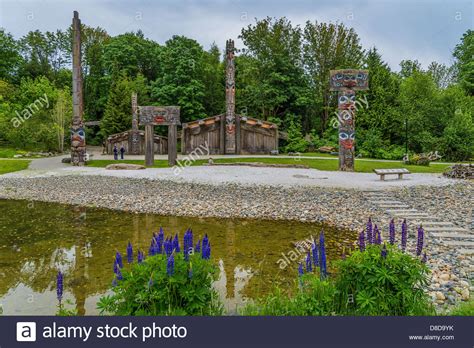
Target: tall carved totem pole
[
  {"x": 78, "y": 135},
  {"x": 135, "y": 146},
  {"x": 346, "y": 82},
  {"x": 232, "y": 121}
]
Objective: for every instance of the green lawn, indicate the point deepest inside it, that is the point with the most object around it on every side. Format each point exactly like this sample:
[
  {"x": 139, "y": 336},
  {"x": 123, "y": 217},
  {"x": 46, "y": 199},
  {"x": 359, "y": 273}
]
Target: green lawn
[
  {"x": 8, "y": 166},
  {"x": 321, "y": 164}
]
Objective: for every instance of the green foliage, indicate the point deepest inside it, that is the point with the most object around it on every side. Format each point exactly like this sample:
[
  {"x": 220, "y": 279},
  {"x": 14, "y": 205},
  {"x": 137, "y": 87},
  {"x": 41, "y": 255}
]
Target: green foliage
[
  {"x": 147, "y": 289},
  {"x": 8, "y": 166},
  {"x": 180, "y": 82},
  {"x": 464, "y": 53},
  {"x": 458, "y": 137},
  {"x": 464, "y": 309},
  {"x": 296, "y": 142},
  {"x": 369, "y": 284},
  {"x": 313, "y": 297}
]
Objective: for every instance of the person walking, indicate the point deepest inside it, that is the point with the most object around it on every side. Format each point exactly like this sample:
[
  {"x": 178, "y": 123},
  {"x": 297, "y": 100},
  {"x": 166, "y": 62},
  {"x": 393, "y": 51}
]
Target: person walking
[
  {"x": 122, "y": 151},
  {"x": 115, "y": 152}
]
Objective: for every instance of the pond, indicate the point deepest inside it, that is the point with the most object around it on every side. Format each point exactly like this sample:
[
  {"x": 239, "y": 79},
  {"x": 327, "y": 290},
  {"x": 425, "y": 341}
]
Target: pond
[{"x": 37, "y": 239}]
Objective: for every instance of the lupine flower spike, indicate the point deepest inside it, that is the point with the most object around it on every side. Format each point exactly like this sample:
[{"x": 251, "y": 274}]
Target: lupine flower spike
[
  {"x": 59, "y": 286},
  {"x": 419, "y": 244},
  {"x": 170, "y": 265},
  {"x": 404, "y": 234},
  {"x": 322, "y": 256},
  {"x": 118, "y": 259},
  {"x": 370, "y": 238},
  {"x": 129, "y": 253},
  {"x": 392, "y": 232},
  {"x": 300, "y": 269},
  {"x": 425, "y": 258},
  {"x": 176, "y": 243}
]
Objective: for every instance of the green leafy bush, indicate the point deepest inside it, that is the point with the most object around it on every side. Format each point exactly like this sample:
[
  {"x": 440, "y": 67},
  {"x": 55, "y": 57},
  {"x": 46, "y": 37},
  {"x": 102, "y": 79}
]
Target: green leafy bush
[
  {"x": 296, "y": 142},
  {"x": 166, "y": 283},
  {"x": 368, "y": 283},
  {"x": 313, "y": 297}
]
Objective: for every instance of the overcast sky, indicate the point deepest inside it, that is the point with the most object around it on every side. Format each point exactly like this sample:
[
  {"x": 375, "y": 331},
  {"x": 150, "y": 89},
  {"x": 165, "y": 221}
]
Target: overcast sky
[{"x": 400, "y": 29}]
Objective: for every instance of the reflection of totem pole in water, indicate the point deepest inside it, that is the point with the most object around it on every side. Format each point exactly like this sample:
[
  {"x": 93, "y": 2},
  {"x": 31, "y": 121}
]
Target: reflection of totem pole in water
[
  {"x": 230, "y": 120},
  {"x": 134, "y": 146},
  {"x": 346, "y": 82},
  {"x": 78, "y": 135}
]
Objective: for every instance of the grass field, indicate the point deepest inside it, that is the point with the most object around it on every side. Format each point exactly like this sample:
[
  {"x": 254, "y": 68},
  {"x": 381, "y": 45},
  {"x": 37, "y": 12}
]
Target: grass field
[
  {"x": 8, "y": 166},
  {"x": 321, "y": 164}
]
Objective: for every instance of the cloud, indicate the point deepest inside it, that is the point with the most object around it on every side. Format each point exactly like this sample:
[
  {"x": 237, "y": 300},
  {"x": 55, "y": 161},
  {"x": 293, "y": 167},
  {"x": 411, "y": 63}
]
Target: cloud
[{"x": 400, "y": 29}]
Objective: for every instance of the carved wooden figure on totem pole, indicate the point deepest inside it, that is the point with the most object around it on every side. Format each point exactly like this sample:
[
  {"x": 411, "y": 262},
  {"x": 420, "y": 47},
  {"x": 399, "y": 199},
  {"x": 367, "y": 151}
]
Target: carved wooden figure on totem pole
[
  {"x": 232, "y": 121},
  {"x": 346, "y": 82},
  {"x": 78, "y": 134}
]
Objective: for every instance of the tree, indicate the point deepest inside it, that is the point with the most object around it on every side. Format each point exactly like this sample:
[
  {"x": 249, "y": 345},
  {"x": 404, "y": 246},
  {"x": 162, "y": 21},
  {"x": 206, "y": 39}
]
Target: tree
[
  {"x": 409, "y": 67},
  {"x": 62, "y": 115},
  {"x": 464, "y": 53},
  {"x": 11, "y": 58},
  {"x": 442, "y": 75},
  {"x": 213, "y": 79},
  {"x": 118, "y": 110},
  {"x": 181, "y": 79},
  {"x": 273, "y": 51},
  {"x": 328, "y": 46}
]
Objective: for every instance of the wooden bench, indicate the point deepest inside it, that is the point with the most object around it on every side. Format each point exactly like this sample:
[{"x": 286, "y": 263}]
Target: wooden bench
[{"x": 399, "y": 172}]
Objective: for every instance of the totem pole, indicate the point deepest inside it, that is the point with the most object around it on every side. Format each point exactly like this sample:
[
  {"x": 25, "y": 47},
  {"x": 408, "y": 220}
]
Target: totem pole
[
  {"x": 346, "y": 82},
  {"x": 134, "y": 146},
  {"x": 78, "y": 135},
  {"x": 232, "y": 121}
]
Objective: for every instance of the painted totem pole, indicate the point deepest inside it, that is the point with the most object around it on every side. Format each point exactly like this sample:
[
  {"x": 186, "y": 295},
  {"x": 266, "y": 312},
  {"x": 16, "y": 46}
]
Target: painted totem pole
[
  {"x": 134, "y": 146},
  {"x": 232, "y": 122},
  {"x": 78, "y": 135},
  {"x": 346, "y": 82}
]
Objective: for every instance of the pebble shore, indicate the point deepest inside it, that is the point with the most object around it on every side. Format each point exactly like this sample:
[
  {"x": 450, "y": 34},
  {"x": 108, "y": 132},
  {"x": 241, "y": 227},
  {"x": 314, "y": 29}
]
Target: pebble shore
[{"x": 342, "y": 208}]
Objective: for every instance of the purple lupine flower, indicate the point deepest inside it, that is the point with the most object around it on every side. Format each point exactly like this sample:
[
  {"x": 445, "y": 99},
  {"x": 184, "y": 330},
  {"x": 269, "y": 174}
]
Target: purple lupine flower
[
  {"x": 170, "y": 265},
  {"x": 322, "y": 256},
  {"x": 129, "y": 253},
  {"x": 300, "y": 269},
  {"x": 116, "y": 267},
  {"x": 119, "y": 274},
  {"x": 377, "y": 236},
  {"x": 140, "y": 256},
  {"x": 168, "y": 246},
  {"x": 384, "y": 251},
  {"x": 187, "y": 243},
  {"x": 176, "y": 243},
  {"x": 309, "y": 266},
  {"x": 314, "y": 249},
  {"x": 404, "y": 234},
  {"x": 205, "y": 241},
  {"x": 118, "y": 259},
  {"x": 59, "y": 286},
  {"x": 197, "y": 248},
  {"x": 370, "y": 237},
  {"x": 362, "y": 241},
  {"x": 425, "y": 258},
  {"x": 152, "y": 248},
  {"x": 419, "y": 243},
  {"x": 159, "y": 241},
  {"x": 206, "y": 251},
  {"x": 392, "y": 232}
]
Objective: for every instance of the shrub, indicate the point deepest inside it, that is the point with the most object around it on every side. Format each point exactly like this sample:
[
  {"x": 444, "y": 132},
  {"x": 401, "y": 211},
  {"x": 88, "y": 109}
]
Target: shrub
[
  {"x": 369, "y": 283},
  {"x": 168, "y": 282},
  {"x": 296, "y": 141}
]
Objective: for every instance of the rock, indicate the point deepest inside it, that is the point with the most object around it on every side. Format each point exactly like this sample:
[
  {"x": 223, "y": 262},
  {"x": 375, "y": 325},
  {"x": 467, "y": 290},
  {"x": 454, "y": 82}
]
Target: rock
[
  {"x": 66, "y": 160},
  {"x": 465, "y": 294},
  {"x": 17, "y": 156},
  {"x": 124, "y": 166},
  {"x": 444, "y": 276},
  {"x": 440, "y": 296},
  {"x": 464, "y": 284}
]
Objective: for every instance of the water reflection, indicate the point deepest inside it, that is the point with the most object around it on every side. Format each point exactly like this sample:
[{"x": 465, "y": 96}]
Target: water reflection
[{"x": 38, "y": 239}]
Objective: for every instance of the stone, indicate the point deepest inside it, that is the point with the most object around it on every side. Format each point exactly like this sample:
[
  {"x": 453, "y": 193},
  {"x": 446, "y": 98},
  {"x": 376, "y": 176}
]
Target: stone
[
  {"x": 440, "y": 296},
  {"x": 444, "y": 276},
  {"x": 124, "y": 166},
  {"x": 465, "y": 294}
]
